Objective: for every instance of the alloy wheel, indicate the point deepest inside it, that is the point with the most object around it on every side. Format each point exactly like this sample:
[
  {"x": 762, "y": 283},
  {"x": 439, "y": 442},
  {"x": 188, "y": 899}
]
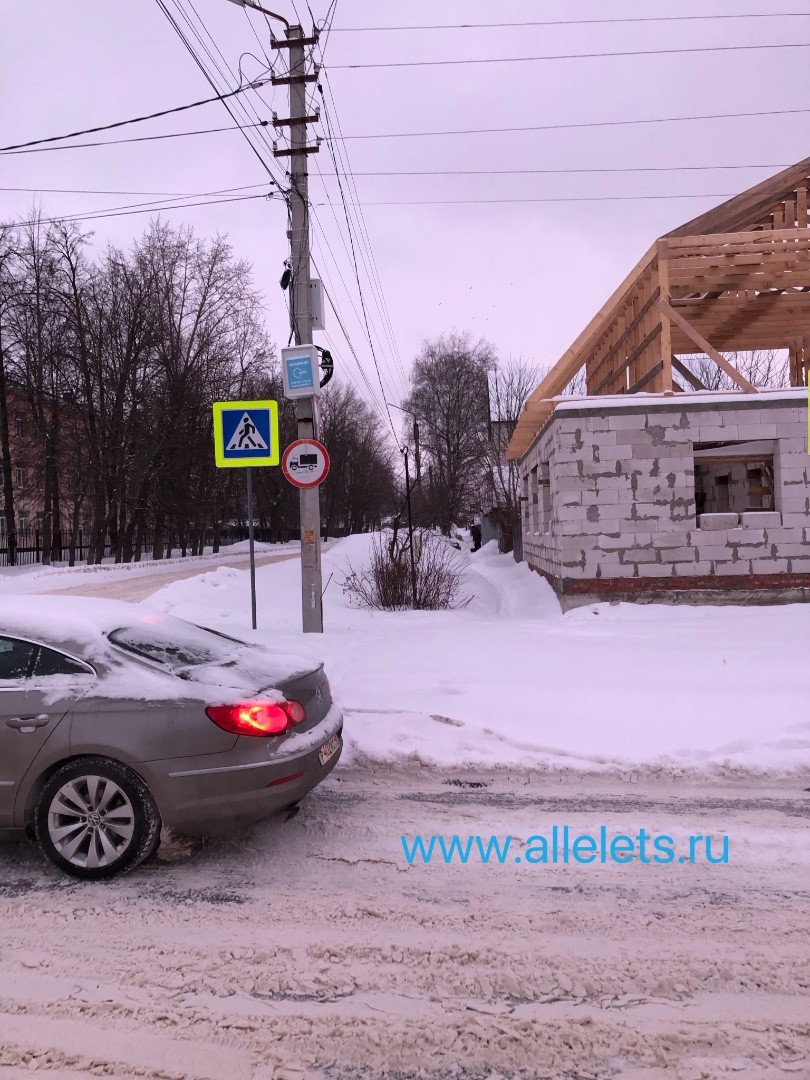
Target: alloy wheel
[{"x": 91, "y": 822}]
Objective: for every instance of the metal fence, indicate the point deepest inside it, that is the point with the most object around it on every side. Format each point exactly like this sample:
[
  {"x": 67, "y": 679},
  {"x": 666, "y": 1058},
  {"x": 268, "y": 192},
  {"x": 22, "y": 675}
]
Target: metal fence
[{"x": 30, "y": 550}]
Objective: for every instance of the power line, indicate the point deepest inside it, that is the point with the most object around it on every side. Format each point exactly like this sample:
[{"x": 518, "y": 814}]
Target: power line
[
  {"x": 359, "y": 286},
  {"x": 111, "y": 191},
  {"x": 139, "y": 138},
  {"x": 550, "y": 199},
  {"x": 132, "y": 120},
  {"x": 561, "y": 172},
  {"x": 574, "y": 126},
  {"x": 149, "y": 209},
  {"x": 160, "y": 205},
  {"x": 190, "y": 49},
  {"x": 574, "y": 22},
  {"x": 565, "y": 56},
  {"x": 426, "y": 134},
  {"x": 364, "y": 239}
]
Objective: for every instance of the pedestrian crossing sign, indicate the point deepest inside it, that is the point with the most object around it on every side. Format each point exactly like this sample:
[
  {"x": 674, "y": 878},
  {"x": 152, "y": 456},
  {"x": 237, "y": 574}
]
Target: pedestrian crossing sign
[{"x": 245, "y": 433}]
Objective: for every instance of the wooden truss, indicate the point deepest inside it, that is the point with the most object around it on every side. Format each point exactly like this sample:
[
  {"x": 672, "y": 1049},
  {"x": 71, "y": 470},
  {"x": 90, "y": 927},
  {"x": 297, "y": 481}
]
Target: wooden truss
[{"x": 732, "y": 280}]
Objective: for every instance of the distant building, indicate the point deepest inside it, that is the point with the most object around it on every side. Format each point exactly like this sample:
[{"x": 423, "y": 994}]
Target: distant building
[{"x": 27, "y": 453}]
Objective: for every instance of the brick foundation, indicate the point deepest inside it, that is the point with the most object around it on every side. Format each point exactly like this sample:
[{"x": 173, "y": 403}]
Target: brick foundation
[{"x": 744, "y": 589}]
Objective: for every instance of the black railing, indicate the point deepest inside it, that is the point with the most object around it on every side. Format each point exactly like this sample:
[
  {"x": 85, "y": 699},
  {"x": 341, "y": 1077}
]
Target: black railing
[{"x": 30, "y": 551}]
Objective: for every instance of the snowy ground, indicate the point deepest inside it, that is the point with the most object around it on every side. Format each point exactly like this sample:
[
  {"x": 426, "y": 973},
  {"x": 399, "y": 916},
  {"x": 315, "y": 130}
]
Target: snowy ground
[
  {"x": 310, "y": 949},
  {"x": 508, "y": 680}
]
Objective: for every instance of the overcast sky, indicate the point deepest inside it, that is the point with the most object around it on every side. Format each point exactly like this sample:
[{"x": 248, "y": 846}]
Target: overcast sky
[{"x": 526, "y": 275}]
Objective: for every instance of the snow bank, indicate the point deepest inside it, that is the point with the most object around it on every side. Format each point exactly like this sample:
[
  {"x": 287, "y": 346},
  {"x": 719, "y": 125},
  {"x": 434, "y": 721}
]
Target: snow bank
[{"x": 509, "y": 681}]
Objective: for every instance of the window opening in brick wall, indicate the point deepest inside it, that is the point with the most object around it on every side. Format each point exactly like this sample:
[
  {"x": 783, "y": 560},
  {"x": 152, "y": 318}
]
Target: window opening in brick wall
[{"x": 734, "y": 477}]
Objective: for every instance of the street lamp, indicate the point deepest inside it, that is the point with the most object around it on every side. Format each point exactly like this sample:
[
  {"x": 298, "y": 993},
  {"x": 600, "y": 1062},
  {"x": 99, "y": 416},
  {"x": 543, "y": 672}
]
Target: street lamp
[{"x": 264, "y": 11}]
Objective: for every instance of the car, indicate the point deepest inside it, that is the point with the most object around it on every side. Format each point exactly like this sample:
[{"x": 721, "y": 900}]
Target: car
[{"x": 116, "y": 721}]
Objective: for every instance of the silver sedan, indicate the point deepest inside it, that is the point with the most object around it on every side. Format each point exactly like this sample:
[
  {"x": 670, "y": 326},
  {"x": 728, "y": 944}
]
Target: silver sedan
[{"x": 115, "y": 721}]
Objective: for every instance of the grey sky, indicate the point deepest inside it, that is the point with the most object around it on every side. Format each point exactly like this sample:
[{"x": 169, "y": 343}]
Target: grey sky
[{"x": 525, "y": 275}]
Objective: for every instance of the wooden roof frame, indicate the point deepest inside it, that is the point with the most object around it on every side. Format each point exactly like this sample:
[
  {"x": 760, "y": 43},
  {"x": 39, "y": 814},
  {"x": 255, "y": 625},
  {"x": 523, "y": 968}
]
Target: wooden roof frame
[{"x": 736, "y": 278}]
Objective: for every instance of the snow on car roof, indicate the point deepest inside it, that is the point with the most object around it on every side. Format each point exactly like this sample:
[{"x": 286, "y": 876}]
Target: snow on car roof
[
  {"x": 69, "y": 620},
  {"x": 81, "y": 625}
]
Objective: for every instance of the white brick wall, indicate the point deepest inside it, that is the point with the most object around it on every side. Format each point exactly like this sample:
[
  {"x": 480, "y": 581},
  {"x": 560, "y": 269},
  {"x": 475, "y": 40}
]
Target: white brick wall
[{"x": 623, "y": 495}]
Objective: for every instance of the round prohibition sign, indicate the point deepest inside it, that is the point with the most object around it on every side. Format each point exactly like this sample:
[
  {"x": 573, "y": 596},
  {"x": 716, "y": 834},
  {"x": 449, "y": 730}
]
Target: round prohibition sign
[{"x": 305, "y": 463}]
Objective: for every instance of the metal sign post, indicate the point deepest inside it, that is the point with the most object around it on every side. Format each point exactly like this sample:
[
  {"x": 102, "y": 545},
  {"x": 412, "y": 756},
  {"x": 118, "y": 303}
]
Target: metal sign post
[
  {"x": 245, "y": 436},
  {"x": 249, "y": 473}
]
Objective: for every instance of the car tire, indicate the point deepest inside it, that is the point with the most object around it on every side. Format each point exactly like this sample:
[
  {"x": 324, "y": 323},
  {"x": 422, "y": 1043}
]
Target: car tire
[{"x": 95, "y": 818}]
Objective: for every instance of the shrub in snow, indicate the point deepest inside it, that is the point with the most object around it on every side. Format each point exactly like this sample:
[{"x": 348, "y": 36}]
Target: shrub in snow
[{"x": 386, "y": 581}]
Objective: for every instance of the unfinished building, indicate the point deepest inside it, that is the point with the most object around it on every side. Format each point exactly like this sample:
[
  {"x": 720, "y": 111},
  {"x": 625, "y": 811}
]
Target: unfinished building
[{"x": 653, "y": 486}]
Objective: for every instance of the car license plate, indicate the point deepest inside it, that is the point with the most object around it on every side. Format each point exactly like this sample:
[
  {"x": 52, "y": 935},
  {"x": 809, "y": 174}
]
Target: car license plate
[{"x": 329, "y": 749}]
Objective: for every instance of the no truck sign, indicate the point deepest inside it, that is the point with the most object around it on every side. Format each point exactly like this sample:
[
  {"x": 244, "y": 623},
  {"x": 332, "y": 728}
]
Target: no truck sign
[{"x": 305, "y": 463}]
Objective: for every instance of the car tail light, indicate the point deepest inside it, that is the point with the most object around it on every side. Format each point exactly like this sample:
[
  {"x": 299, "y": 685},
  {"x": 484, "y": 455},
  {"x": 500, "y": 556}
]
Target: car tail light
[
  {"x": 260, "y": 718},
  {"x": 295, "y": 710}
]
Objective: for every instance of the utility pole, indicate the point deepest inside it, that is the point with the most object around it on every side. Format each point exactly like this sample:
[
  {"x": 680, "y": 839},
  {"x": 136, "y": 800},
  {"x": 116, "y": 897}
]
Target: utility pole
[
  {"x": 414, "y": 596},
  {"x": 300, "y": 292}
]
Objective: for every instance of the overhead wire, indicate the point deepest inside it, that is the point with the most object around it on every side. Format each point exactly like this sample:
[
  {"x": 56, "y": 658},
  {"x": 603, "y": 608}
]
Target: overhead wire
[
  {"x": 125, "y": 123},
  {"x": 576, "y": 125},
  {"x": 149, "y": 208},
  {"x": 209, "y": 78},
  {"x": 137, "y": 139},
  {"x": 561, "y": 172},
  {"x": 424, "y": 172},
  {"x": 365, "y": 238},
  {"x": 356, "y": 271},
  {"x": 389, "y": 64},
  {"x": 578, "y": 22},
  {"x": 361, "y": 317},
  {"x": 226, "y": 75},
  {"x": 549, "y": 199},
  {"x": 321, "y": 239},
  {"x": 418, "y": 134},
  {"x": 115, "y": 191}
]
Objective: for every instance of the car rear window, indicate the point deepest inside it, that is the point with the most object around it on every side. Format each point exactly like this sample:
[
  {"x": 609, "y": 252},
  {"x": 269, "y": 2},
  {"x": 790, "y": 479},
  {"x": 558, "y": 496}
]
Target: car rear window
[{"x": 175, "y": 644}]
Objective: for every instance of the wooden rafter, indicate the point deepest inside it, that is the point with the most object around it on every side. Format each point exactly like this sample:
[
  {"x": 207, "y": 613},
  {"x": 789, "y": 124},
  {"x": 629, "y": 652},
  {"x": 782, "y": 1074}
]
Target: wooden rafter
[
  {"x": 707, "y": 348},
  {"x": 736, "y": 278}
]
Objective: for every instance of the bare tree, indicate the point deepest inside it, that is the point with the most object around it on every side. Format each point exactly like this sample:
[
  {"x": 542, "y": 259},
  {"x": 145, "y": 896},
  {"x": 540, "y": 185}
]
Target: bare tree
[
  {"x": 449, "y": 399},
  {"x": 6, "y": 293},
  {"x": 509, "y": 387},
  {"x": 762, "y": 367},
  {"x": 360, "y": 488}
]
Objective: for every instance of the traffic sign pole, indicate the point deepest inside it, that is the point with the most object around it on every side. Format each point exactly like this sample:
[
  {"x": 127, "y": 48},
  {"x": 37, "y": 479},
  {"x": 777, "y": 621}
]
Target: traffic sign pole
[
  {"x": 249, "y": 473},
  {"x": 246, "y": 435}
]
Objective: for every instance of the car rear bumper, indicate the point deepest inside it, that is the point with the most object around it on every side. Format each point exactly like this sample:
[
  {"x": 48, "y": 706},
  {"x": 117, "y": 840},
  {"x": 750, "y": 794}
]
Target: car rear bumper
[{"x": 219, "y": 793}]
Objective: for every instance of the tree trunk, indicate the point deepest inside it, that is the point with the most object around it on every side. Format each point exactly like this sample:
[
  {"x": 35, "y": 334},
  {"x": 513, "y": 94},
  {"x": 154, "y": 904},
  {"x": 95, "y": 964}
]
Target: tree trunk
[{"x": 5, "y": 457}]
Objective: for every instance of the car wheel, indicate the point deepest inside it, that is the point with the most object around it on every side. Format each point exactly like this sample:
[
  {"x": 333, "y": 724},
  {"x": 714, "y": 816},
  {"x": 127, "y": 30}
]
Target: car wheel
[{"x": 95, "y": 818}]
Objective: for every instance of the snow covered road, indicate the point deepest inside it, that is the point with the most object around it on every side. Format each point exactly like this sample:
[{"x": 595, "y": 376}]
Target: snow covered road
[
  {"x": 310, "y": 948},
  {"x": 142, "y": 586}
]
